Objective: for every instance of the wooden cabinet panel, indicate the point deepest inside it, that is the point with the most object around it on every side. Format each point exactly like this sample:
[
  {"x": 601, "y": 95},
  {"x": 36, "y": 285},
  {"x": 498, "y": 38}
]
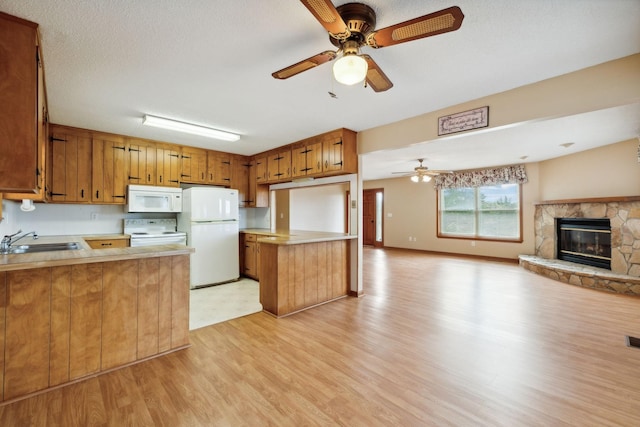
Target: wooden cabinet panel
[
  {"x": 193, "y": 163},
  {"x": 296, "y": 277},
  {"x": 108, "y": 177},
  {"x": 167, "y": 166},
  {"x": 70, "y": 166},
  {"x": 218, "y": 168},
  {"x": 60, "y": 325},
  {"x": 332, "y": 155},
  {"x": 240, "y": 178},
  {"x": 86, "y": 320},
  {"x": 27, "y": 331},
  {"x": 120, "y": 312},
  {"x": 179, "y": 300},
  {"x": 261, "y": 170},
  {"x": 19, "y": 76},
  {"x": 141, "y": 162},
  {"x": 279, "y": 166},
  {"x": 107, "y": 243},
  {"x": 148, "y": 307},
  {"x": 165, "y": 296}
]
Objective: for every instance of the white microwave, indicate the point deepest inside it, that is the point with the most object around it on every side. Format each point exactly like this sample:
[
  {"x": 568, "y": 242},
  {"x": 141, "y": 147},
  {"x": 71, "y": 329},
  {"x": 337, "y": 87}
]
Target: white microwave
[{"x": 147, "y": 198}]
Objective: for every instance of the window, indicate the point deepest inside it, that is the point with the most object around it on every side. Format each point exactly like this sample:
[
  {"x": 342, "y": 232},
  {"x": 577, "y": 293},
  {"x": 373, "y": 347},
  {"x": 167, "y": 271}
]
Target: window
[{"x": 490, "y": 212}]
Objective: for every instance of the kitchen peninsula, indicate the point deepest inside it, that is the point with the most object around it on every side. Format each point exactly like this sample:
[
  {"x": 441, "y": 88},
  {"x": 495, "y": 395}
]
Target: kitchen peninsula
[
  {"x": 68, "y": 315},
  {"x": 302, "y": 269}
]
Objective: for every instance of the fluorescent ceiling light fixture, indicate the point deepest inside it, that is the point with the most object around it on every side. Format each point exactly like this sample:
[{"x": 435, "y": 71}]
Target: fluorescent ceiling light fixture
[{"x": 160, "y": 122}]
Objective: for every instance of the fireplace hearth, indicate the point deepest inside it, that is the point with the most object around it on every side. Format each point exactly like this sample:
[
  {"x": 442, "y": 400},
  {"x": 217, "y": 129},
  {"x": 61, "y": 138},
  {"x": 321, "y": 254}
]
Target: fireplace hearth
[{"x": 584, "y": 241}]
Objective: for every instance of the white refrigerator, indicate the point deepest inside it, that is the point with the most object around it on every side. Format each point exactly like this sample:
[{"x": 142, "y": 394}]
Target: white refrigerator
[{"x": 210, "y": 219}]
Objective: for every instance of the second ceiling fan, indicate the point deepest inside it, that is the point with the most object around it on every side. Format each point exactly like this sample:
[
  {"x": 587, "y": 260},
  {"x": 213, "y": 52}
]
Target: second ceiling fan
[{"x": 352, "y": 26}]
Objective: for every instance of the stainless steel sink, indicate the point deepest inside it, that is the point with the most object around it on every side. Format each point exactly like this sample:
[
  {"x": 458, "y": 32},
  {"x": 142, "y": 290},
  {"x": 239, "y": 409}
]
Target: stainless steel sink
[{"x": 44, "y": 247}]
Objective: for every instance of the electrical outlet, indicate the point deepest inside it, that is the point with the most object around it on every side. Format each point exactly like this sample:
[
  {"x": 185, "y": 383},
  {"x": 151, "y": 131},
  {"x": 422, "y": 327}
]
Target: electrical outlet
[
  {"x": 94, "y": 216},
  {"x": 410, "y": 239}
]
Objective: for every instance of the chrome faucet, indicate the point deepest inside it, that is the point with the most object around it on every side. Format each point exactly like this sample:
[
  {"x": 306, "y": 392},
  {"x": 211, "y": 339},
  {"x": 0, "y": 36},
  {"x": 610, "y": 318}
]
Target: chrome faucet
[{"x": 7, "y": 241}]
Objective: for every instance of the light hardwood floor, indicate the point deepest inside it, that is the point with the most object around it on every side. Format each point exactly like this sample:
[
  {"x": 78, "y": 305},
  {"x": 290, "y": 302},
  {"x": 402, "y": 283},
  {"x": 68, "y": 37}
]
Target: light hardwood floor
[{"x": 437, "y": 340}]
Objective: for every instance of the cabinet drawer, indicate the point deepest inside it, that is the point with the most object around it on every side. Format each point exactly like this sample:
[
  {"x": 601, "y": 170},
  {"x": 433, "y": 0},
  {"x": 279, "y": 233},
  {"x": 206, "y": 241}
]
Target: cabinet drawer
[
  {"x": 250, "y": 237},
  {"x": 108, "y": 243}
]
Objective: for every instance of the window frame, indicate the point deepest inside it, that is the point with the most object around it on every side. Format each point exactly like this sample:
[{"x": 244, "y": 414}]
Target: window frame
[{"x": 477, "y": 237}]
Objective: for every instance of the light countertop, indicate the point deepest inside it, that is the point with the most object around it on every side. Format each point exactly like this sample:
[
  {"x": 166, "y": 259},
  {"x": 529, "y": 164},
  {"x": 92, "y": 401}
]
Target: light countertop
[
  {"x": 84, "y": 255},
  {"x": 295, "y": 237}
]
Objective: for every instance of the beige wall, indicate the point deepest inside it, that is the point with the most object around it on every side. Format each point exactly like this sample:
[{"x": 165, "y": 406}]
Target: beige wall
[
  {"x": 410, "y": 211},
  {"x": 610, "y": 84},
  {"x": 612, "y": 170},
  {"x": 607, "y": 171}
]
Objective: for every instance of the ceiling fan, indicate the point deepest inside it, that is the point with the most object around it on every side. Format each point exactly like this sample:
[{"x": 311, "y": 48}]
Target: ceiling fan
[
  {"x": 351, "y": 26},
  {"x": 422, "y": 173}
]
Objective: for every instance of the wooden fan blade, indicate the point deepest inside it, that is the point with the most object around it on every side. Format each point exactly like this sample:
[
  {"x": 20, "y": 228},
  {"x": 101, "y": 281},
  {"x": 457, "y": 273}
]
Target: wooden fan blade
[
  {"x": 325, "y": 12},
  {"x": 425, "y": 26},
  {"x": 305, "y": 64},
  {"x": 378, "y": 80}
]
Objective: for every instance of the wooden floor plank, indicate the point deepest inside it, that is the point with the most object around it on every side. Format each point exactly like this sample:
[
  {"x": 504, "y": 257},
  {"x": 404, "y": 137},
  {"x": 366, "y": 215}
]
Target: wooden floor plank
[{"x": 436, "y": 340}]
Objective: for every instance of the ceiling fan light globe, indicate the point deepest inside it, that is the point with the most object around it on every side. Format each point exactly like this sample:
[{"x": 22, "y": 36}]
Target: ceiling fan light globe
[
  {"x": 350, "y": 69},
  {"x": 415, "y": 178},
  {"x": 426, "y": 178}
]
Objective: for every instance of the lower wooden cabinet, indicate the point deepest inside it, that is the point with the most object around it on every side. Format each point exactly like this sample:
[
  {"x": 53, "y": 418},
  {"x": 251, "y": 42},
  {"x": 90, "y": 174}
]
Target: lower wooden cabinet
[
  {"x": 59, "y": 324},
  {"x": 250, "y": 266}
]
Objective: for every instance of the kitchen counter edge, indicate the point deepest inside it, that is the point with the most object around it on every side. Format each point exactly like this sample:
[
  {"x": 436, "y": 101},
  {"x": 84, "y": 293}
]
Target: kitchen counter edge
[{"x": 85, "y": 255}]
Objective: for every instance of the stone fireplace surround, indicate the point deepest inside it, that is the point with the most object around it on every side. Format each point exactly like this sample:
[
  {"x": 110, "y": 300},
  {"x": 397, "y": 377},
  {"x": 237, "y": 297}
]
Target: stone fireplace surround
[{"x": 624, "y": 214}]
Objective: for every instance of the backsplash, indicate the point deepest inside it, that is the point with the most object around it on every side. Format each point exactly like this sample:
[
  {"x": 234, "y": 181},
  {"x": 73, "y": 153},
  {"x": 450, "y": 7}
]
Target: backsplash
[{"x": 49, "y": 219}]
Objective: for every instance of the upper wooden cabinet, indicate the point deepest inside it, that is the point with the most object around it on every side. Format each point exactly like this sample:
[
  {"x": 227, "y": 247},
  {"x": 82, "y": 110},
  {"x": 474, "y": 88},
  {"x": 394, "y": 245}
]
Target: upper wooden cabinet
[
  {"x": 69, "y": 177},
  {"x": 339, "y": 152},
  {"x": 218, "y": 168},
  {"x": 261, "y": 169},
  {"x": 279, "y": 166},
  {"x": 240, "y": 178},
  {"x": 141, "y": 162},
  {"x": 108, "y": 175},
  {"x": 168, "y": 165},
  {"x": 23, "y": 111},
  {"x": 307, "y": 157},
  {"x": 193, "y": 163}
]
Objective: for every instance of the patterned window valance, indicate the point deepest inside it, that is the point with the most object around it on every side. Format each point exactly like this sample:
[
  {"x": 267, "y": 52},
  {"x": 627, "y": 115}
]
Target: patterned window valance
[{"x": 496, "y": 176}]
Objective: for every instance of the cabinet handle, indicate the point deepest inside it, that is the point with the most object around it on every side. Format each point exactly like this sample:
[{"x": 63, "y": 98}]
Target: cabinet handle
[
  {"x": 186, "y": 157},
  {"x": 119, "y": 148},
  {"x": 82, "y": 194},
  {"x": 119, "y": 197},
  {"x": 106, "y": 244},
  {"x": 149, "y": 177},
  {"x": 134, "y": 149},
  {"x": 338, "y": 143},
  {"x": 53, "y": 138},
  {"x": 338, "y": 164},
  {"x": 133, "y": 177},
  {"x": 160, "y": 179},
  {"x": 174, "y": 155},
  {"x": 58, "y": 194},
  {"x": 318, "y": 166},
  {"x": 97, "y": 194},
  {"x": 173, "y": 180},
  {"x": 326, "y": 164}
]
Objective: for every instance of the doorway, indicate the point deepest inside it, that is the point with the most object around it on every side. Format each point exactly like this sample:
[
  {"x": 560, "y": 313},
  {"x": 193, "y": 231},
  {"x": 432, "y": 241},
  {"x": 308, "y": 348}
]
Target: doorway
[{"x": 372, "y": 218}]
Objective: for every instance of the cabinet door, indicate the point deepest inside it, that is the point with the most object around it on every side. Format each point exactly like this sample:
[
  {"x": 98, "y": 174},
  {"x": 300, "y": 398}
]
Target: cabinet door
[
  {"x": 70, "y": 167},
  {"x": 240, "y": 178},
  {"x": 3, "y": 310},
  {"x": 332, "y": 151},
  {"x": 141, "y": 162},
  {"x": 250, "y": 258},
  {"x": 298, "y": 161},
  {"x": 27, "y": 329},
  {"x": 19, "y": 109},
  {"x": 314, "y": 158},
  {"x": 85, "y": 320},
  {"x": 273, "y": 174},
  {"x": 223, "y": 169},
  {"x": 193, "y": 164},
  {"x": 251, "y": 198},
  {"x": 109, "y": 176},
  {"x": 167, "y": 167},
  {"x": 284, "y": 165},
  {"x": 261, "y": 170}
]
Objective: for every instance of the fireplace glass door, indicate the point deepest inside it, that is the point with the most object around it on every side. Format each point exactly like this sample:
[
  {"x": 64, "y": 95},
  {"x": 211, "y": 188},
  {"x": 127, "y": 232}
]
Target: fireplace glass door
[{"x": 585, "y": 241}]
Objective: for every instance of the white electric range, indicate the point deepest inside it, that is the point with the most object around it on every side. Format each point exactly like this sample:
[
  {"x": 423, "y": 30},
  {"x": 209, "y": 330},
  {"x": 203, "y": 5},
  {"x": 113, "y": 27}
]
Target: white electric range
[{"x": 149, "y": 232}]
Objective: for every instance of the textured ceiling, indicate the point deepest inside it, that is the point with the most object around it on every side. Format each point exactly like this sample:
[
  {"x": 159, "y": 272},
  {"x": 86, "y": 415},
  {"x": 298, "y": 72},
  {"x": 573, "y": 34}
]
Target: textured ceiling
[{"x": 210, "y": 62}]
